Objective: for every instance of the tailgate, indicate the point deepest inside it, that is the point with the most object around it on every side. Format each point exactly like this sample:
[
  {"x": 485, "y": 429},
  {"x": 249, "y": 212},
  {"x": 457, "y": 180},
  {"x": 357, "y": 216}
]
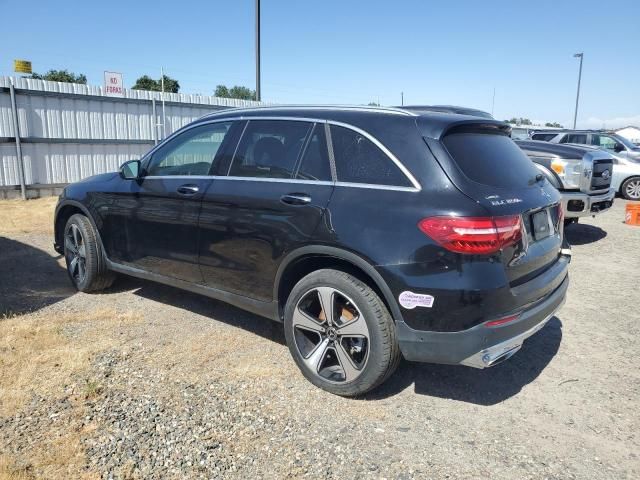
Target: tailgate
[{"x": 487, "y": 166}]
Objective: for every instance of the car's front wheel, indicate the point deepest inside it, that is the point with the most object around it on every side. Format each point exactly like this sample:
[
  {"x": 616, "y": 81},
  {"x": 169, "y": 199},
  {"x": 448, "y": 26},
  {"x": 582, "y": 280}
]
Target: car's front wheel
[
  {"x": 340, "y": 333},
  {"x": 631, "y": 188},
  {"x": 83, "y": 255}
]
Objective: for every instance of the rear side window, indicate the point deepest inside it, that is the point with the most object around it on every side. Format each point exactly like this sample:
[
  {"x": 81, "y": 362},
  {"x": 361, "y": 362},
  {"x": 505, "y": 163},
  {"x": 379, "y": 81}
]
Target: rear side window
[
  {"x": 543, "y": 136},
  {"x": 359, "y": 160},
  {"x": 574, "y": 138},
  {"x": 492, "y": 160},
  {"x": 315, "y": 159},
  {"x": 269, "y": 149}
]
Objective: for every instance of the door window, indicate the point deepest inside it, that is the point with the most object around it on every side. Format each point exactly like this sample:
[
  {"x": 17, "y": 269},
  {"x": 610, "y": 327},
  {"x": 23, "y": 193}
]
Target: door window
[
  {"x": 359, "y": 160},
  {"x": 606, "y": 142},
  {"x": 269, "y": 149},
  {"x": 575, "y": 138},
  {"x": 543, "y": 136},
  {"x": 315, "y": 159},
  {"x": 190, "y": 153}
]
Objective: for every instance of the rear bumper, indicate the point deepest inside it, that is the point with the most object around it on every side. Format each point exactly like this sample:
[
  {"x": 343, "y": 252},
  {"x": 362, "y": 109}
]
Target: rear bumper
[
  {"x": 479, "y": 346},
  {"x": 578, "y": 204}
]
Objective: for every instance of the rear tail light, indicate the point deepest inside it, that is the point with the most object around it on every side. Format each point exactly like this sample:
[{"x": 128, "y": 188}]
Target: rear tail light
[{"x": 473, "y": 235}]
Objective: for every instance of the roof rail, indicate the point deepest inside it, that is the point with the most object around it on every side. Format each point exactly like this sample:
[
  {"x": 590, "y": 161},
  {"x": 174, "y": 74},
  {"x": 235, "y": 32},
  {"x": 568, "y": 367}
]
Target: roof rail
[{"x": 393, "y": 110}]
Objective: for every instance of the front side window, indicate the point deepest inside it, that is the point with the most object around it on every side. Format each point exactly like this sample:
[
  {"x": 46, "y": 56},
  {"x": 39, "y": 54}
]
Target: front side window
[
  {"x": 359, "y": 160},
  {"x": 606, "y": 142},
  {"x": 190, "y": 153},
  {"x": 269, "y": 149},
  {"x": 575, "y": 138}
]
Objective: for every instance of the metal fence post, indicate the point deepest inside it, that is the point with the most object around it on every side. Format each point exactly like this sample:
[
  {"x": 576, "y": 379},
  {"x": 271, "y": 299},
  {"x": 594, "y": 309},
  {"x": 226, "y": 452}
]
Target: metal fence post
[
  {"x": 154, "y": 126},
  {"x": 16, "y": 132}
]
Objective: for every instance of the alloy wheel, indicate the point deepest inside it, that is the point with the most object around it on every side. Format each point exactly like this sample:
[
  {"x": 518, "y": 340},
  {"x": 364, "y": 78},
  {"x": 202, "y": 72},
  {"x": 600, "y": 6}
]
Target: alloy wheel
[
  {"x": 331, "y": 335},
  {"x": 75, "y": 253},
  {"x": 632, "y": 189}
]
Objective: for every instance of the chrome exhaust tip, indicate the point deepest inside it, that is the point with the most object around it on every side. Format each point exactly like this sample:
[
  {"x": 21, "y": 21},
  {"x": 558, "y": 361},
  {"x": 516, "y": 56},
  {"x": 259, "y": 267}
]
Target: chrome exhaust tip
[{"x": 490, "y": 362}]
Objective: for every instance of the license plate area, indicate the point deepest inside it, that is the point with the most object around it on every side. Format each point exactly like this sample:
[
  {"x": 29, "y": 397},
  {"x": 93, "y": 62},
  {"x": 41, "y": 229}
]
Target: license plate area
[{"x": 541, "y": 226}]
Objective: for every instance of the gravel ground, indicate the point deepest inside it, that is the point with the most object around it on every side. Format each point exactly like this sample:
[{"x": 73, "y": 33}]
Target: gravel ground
[{"x": 199, "y": 389}]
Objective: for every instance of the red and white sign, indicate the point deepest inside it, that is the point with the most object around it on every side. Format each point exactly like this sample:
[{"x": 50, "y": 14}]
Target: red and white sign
[{"x": 113, "y": 84}]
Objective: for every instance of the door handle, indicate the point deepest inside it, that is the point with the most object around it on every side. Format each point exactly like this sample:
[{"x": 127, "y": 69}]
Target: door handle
[
  {"x": 296, "y": 198},
  {"x": 188, "y": 189}
]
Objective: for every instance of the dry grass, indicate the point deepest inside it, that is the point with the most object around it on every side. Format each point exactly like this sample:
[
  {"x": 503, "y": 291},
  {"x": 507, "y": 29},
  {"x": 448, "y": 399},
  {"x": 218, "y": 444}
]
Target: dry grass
[
  {"x": 10, "y": 471},
  {"x": 38, "y": 358},
  {"x": 23, "y": 217},
  {"x": 49, "y": 357}
]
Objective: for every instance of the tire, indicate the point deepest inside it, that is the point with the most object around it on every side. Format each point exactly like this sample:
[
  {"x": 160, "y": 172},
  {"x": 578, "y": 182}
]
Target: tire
[
  {"x": 347, "y": 354},
  {"x": 83, "y": 255},
  {"x": 630, "y": 188}
]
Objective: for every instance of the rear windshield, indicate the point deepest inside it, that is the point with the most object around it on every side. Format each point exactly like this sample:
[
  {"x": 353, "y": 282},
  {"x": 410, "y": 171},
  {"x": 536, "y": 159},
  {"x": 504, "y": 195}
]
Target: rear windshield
[{"x": 491, "y": 159}]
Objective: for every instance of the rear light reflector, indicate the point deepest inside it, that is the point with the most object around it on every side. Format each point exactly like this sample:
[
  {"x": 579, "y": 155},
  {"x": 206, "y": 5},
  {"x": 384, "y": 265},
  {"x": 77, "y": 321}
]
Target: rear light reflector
[
  {"x": 502, "y": 321},
  {"x": 473, "y": 235},
  {"x": 560, "y": 216}
]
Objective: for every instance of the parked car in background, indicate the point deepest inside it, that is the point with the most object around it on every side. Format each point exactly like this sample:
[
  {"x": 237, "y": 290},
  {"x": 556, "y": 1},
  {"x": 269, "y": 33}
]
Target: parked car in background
[
  {"x": 582, "y": 174},
  {"x": 626, "y": 177},
  {"x": 610, "y": 142},
  {"x": 367, "y": 231},
  {"x": 525, "y": 132}
]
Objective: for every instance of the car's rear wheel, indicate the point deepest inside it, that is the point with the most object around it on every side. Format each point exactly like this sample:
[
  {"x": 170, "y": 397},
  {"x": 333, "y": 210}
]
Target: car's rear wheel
[
  {"x": 631, "y": 188},
  {"x": 83, "y": 255},
  {"x": 340, "y": 333}
]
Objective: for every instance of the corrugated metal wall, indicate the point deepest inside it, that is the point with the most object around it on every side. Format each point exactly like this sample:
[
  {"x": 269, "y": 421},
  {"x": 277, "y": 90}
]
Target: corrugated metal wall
[{"x": 71, "y": 131}]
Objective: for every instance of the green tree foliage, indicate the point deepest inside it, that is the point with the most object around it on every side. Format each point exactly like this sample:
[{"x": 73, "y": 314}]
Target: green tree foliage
[
  {"x": 145, "y": 82},
  {"x": 243, "y": 93},
  {"x": 373, "y": 104},
  {"x": 553, "y": 124},
  {"x": 61, "y": 76},
  {"x": 520, "y": 121}
]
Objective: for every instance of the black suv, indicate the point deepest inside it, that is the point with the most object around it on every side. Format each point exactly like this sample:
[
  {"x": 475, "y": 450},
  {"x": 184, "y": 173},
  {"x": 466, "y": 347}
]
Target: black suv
[{"x": 369, "y": 232}]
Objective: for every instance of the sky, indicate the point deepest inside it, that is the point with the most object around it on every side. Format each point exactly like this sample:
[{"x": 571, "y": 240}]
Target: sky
[{"x": 354, "y": 51}]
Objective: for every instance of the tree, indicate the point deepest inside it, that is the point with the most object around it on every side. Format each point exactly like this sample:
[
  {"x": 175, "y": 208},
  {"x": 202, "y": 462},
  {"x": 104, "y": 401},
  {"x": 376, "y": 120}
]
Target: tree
[
  {"x": 373, "y": 104},
  {"x": 554, "y": 124},
  {"x": 145, "y": 82},
  {"x": 243, "y": 93},
  {"x": 520, "y": 121},
  {"x": 61, "y": 76}
]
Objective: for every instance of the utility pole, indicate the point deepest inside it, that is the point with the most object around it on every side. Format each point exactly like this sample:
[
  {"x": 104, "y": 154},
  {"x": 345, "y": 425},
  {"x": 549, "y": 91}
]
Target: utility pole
[
  {"x": 493, "y": 101},
  {"x": 258, "y": 50},
  {"x": 402, "y": 98},
  {"x": 575, "y": 115}
]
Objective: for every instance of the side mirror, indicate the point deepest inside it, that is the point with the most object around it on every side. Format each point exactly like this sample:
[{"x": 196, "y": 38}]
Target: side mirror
[
  {"x": 618, "y": 148},
  {"x": 130, "y": 170}
]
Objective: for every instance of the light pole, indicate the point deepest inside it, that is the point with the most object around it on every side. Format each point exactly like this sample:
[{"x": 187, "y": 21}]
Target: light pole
[
  {"x": 258, "y": 50},
  {"x": 575, "y": 115}
]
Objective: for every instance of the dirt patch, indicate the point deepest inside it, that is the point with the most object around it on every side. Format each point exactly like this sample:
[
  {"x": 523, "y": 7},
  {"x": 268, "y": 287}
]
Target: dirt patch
[{"x": 146, "y": 381}]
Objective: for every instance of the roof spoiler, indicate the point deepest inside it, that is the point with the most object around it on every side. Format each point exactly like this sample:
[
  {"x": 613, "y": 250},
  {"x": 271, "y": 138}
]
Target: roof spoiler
[{"x": 439, "y": 129}]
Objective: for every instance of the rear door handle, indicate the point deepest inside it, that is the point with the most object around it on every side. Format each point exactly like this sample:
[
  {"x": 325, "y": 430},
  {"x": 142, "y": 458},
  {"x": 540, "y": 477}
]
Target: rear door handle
[
  {"x": 296, "y": 198},
  {"x": 188, "y": 189}
]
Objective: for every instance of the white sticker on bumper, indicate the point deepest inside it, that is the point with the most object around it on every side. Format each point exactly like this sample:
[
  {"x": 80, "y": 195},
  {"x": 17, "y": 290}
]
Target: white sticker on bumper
[{"x": 410, "y": 300}]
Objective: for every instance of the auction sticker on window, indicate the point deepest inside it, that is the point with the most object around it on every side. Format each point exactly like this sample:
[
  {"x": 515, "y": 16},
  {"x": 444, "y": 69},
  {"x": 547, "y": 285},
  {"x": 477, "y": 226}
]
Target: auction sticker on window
[{"x": 411, "y": 300}]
